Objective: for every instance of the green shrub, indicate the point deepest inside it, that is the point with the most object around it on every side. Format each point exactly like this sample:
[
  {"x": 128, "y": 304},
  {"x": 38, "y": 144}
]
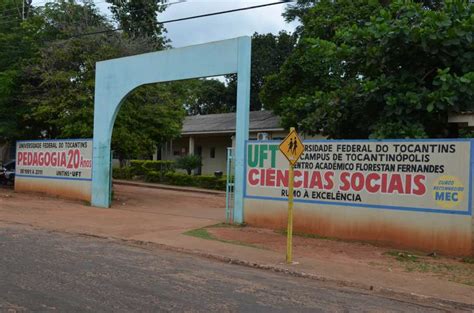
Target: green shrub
[
  {"x": 179, "y": 179},
  {"x": 210, "y": 182},
  {"x": 144, "y": 167},
  {"x": 189, "y": 163},
  {"x": 205, "y": 181},
  {"x": 154, "y": 172},
  {"x": 122, "y": 173},
  {"x": 137, "y": 167},
  {"x": 159, "y": 166},
  {"x": 154, "y": 177},
  {"x": 221, "y": 184}
]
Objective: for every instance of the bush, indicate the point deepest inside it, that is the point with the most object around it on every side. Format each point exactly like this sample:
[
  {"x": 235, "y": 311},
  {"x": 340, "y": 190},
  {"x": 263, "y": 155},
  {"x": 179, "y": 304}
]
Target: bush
[
  {"x": 122, "y": 173},
  {"x": 188, "y": 163},
  {"x": 137, "y": 168},
  {"x": 154, "y": 177},
  {"x": 163, "y": 172},
  {"x": 159, "y": 166},
  {"x": 144, "y": 167},
  {"x": 208, "y": 182},
  {"x": 179, "y": 179}
]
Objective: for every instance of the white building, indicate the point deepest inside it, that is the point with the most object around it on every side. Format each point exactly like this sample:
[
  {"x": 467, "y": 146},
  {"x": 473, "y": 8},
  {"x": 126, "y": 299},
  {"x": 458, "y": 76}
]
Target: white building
[
  {"x": 209, "y": 136},
  {"x": 462, "y": 119}
]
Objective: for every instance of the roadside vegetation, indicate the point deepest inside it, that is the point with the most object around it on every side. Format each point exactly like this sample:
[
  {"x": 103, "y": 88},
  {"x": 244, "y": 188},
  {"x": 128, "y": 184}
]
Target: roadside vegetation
[
  {"x": 203, "y": 233},
  {"x": 165, "y": 172},
  {"x": 459, "y": 270}
]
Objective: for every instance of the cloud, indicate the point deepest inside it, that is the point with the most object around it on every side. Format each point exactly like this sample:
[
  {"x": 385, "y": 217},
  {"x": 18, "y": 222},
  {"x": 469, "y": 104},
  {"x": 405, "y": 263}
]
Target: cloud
[{"x": 261, "y": 20}]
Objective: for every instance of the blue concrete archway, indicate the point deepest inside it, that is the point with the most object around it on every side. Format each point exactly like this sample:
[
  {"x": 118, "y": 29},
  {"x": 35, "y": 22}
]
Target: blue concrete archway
[{"x": 118, "y": 77}]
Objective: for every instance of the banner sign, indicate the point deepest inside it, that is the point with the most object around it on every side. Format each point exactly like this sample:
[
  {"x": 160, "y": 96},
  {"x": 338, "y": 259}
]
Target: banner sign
[
  {"x": 413, "y": 175},
  {"x": 69, "y": 159}
]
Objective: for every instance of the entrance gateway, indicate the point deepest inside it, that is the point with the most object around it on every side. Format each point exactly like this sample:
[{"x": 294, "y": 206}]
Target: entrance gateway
[{"x": 116, "y": 78}]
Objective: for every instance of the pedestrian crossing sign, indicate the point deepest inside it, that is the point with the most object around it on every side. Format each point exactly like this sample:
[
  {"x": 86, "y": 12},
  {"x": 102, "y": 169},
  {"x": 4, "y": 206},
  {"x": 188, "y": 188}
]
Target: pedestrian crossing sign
[{"x": 292, "y": 147}]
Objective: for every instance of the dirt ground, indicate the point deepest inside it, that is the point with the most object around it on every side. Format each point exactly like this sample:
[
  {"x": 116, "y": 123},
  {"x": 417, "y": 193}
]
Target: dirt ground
[
  {"x": 136, "y": 212},
  {"x": 196, "y": 205},
  {"x": 350, "y": 252}
]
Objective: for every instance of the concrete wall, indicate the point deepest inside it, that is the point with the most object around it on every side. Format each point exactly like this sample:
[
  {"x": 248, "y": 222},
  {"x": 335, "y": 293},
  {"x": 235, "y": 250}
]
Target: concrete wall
[
  {"x": 220, "y": 145},
  {"x": 399, "y": 220},
  {"x": 71, "y": 189},
  {"x": 60, "y": 167},
  {"x": 449, "y": 234}
]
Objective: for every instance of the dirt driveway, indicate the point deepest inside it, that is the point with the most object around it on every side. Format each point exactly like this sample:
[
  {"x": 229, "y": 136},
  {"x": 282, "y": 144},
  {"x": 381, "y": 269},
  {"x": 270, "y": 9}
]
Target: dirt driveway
[{"x": 136, "y": 212}]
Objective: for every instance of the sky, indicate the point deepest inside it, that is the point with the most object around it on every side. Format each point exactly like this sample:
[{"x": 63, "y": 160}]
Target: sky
[{"x": 262, "y": 20}]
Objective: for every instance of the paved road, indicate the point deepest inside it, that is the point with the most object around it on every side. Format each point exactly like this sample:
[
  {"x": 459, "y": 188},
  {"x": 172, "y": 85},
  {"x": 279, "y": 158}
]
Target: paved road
[{"x": 42, "y": 271}]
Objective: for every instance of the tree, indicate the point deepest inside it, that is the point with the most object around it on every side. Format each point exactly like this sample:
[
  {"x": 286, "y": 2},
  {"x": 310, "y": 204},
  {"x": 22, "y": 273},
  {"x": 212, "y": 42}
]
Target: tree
[
  {"x": 58, "y": 83},
  {"x": 139, "y": 18},
  {"x": 17, "y": 45},
  {"x": 364, "y": 70},
  {"x": 210, "y": 96},
  {"x": 188, "y": 163},
  {"x": 150, "y": 116},
  {"x": 269, "y": 52},
  {"x": 207, "y": 96}
]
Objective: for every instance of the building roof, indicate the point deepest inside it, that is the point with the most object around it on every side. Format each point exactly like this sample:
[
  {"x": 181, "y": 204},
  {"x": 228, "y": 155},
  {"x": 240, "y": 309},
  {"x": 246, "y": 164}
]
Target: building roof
[{"x": 260, "y": 121}]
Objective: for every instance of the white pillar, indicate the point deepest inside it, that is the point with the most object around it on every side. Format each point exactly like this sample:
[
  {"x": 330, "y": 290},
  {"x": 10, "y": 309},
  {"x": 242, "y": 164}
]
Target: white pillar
[
  {"x": 191, "y": 145},
  {"x": 155, "y": 153},
  {"x": 242, "y": 125},
  {"x": 233, "y": 141}
]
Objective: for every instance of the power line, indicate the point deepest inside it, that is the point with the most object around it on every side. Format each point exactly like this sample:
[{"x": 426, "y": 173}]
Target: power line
[{"x": 187, "y": 18}]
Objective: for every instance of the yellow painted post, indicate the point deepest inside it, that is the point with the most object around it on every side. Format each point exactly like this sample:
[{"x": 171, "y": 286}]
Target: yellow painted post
[
  {"x": 289, "y": 231},
  {"x": 292, "y": 148}
]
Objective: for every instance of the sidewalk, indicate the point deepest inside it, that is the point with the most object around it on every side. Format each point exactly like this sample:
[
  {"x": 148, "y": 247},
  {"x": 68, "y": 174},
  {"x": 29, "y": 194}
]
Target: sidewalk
[{"x": 140, "y": 223}]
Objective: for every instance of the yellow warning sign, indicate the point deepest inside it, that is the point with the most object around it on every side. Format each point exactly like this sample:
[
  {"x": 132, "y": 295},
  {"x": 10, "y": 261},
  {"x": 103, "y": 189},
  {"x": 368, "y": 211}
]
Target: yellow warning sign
[{"x": 292, "y": 147}]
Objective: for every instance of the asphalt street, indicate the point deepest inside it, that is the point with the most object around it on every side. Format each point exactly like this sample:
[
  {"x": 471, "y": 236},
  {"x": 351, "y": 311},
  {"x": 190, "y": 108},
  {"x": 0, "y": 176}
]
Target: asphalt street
[{"x": 44, "y": 271}]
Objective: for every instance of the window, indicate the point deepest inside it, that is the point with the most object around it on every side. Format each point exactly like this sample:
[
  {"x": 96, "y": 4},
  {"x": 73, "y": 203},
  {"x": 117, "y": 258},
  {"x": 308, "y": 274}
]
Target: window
[{"x": 213, "y": 153}]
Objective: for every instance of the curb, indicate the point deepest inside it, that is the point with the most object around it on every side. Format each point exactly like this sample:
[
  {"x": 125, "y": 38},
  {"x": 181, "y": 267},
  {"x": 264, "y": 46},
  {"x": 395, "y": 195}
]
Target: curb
[
  {"x": 428, "y": 301},
  {"x": 168, "y": 187}
]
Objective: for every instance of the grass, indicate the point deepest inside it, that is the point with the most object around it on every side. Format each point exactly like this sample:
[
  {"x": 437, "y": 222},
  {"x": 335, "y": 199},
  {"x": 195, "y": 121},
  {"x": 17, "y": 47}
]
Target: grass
[
  {"x": 403, "y": 256},
  {"x": 452, "y": 270},
  {"x": 200, "y": 233},
  {"x": 226, "y": 225},
  {"x": 203, "y": 233},
  {"x": 306, "y": 235},
  {"x": 468, "y": 260}
]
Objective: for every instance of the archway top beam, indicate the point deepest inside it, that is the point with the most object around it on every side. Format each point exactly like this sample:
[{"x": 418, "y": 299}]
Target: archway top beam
[{"x": 203, "y": 60}]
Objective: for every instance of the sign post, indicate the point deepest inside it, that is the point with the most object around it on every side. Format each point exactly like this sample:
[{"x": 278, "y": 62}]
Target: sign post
[{"x": 292, "y": 148}]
